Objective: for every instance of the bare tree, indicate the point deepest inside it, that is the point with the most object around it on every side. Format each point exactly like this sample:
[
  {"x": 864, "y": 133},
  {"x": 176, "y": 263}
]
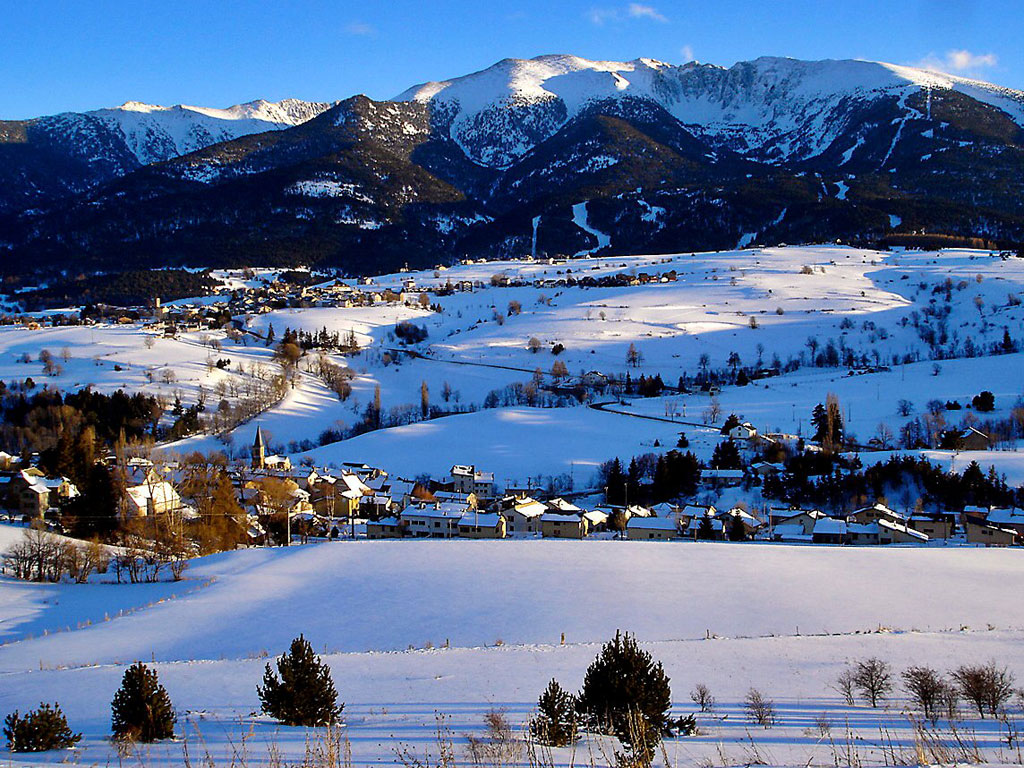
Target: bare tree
[
  {"x": 845, "y": 686},
  {"x": 759, "y": 709},
  {"x": 987, "y": 686},
  {"x": 925, "y": 687},
  {"x": 701, "y": 696},
  {"x": 873, "y": 679}
]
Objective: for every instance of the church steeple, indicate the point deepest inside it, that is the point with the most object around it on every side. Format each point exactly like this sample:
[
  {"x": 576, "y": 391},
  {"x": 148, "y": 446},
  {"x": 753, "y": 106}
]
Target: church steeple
[{"x": 259, "y": 451}]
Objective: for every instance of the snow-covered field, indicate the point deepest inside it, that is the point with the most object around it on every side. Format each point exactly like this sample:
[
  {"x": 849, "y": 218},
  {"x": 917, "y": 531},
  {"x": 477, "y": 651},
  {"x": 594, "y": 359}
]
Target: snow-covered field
[
  {"x": 782, "y": 619},
  {"x": 861, "y": 300}
]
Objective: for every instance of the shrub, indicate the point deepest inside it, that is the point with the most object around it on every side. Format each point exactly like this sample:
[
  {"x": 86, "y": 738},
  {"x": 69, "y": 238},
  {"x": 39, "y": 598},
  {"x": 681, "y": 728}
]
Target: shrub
[
  {"x": 626, "y": 693},
  {"x": 410, "y": 332},
  {"x": 301, "y": 692},
  {"x": 39, "y": 730},
  {"x": 984, "y": 402},
  {"x": 499, "y": 746},
  {"x": 987, "y": 686},
  {"x": 873, "y": 678},
  {"x": 759, "y": 709},
  {"x": 141, "y": 708},
  {"x": 555, "y": 723}
]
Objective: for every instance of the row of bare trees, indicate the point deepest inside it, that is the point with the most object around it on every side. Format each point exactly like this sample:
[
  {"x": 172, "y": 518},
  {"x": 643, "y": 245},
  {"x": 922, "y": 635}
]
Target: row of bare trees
[
  {"x": 988, "y": 687},
  {"x": 41, "y": 556},
  {"x": 138, "y": 556}
]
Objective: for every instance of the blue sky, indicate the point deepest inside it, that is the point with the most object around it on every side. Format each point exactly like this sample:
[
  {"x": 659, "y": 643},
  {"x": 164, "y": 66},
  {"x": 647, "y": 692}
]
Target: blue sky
[{"x": 85, "y": 54}]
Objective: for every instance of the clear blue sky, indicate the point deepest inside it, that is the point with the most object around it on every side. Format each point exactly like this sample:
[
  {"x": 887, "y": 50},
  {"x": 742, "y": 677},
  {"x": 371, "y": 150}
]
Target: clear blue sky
[{"x": 85, "y": 54}]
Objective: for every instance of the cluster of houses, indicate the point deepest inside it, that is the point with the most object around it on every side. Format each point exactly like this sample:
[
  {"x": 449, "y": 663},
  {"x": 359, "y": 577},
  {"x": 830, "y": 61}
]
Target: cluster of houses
[{"x": 360, "y": 500}]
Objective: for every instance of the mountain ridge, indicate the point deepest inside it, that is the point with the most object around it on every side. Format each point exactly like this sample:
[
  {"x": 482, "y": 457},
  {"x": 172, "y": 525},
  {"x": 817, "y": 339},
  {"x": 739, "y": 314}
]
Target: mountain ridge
[{"x": 667, "y": 158}]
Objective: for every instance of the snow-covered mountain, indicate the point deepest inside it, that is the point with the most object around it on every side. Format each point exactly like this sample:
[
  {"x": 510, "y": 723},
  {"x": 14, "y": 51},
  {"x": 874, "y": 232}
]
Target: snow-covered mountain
[
  {"x": 51, "y": 157},
  {"x": 774, "y": 109},
  {"x": 553, "y": 155},
  {"x": 154, "y": 133}
]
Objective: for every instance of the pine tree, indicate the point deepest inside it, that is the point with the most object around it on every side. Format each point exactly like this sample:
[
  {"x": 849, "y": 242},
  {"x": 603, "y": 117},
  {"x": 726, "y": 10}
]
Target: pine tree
[
  {"x": 270, "y": 335},
  {"x": 39, "y": 730},
  {"x": 626, "y": 693},
  {"x": 737, "y": 529},
  {"x": 141, "y": 709},
  {"x": 301, "y": 692},
  {"x": 555, "y": 724},
  {"x": 424, "y": 399}
]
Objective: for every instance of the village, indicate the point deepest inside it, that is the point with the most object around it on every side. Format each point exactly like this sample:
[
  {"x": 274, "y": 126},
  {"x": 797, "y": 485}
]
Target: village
[{"x": 279, "y": 503}]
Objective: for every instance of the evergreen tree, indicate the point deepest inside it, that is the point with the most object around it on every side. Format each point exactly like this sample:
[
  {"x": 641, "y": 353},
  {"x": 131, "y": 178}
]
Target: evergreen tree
[
  {"x": 615, "y": 483},
  {"x": 301, "y": 692},
  {"x": 39, "y": 730},
  {"x": 555, "y": 724},
  {"x": 737, "y": 529},
  {"x": 94, "y": 511},
  {"x": 706, "y": 528},
  {"x": 626, "y": 693},
  {"x": 270, "y": 335},
  {"x": 726, "y": 456},
  {"x": 141, "y": 709}
]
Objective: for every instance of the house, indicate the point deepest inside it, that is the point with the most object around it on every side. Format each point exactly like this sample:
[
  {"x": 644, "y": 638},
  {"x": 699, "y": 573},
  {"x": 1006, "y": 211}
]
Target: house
[
  {"x": 1007, "y": 519},
  {"x": 874, "y": 513},
  {"x": 385, "y": 528},
  {"x": 482, "y": 525},
  {"x": 980, "y": 532},
  {"x": 765, "y": 468},
  {"x": 31, "y": 493},
  {"x": 890, "y": 532},
  {"x": 466, "y": 479},
  {"x": 375, "y": 506},
  {"x": 524, "y": 516},
  {"x": 151, "y": 499},
  {"x": 829, "y": 530},
  {"x": 804, "y": 519},
  {"x": 438, "y": 521},
  {"x": 651, "y": 528},
  {"x": 969, "y": 439},
  {"x": 862, "y": 533},
  {"x": 744, "y": 431},
  {"x": 721, "y": 478},
  {"x": 558, "y": 526},
  {"x": 750, "y": 523},
  {"x": 692, "y": 511},
  {"x": 598, "y": 520},
  {"x": 933, "y": 526}
]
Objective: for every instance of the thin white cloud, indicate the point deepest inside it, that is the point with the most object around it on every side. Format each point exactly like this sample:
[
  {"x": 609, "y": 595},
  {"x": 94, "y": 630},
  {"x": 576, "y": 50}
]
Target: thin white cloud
[
  {"x": 687, "y": 52},
  {"x": 640, "y": 11},
  {"x": 960, "y": 60},
  {"x": 600, "y": 16},
  {"x": 361, "y": 29}
]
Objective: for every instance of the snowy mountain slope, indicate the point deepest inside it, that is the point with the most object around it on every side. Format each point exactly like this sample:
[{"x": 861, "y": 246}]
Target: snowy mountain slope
[
  {"x": 785, "y": 108},
  {"x": 51, "y": 157},
  {"x": 850, "y": 150},
  {"x": 155, "y": 133}
]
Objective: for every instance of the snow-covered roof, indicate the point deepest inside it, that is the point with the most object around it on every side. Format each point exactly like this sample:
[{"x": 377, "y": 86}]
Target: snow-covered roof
[
  {"x": 651, "y": 524},
  {"x": 480, "y": 519},
  {"x": 830, "y": 526},
  {"x": 554, "y": 517}
]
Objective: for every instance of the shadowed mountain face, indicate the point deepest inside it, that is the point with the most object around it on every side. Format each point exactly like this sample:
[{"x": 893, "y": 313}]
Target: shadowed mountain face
[{"x": 666, "y": 159}]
